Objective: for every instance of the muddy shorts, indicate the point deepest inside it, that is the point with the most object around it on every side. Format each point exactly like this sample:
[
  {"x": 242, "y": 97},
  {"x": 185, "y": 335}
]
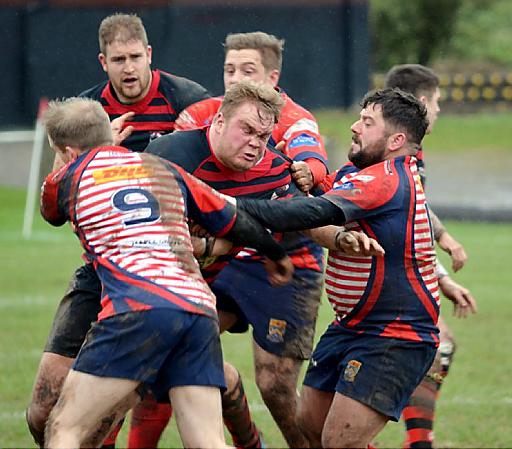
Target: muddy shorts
[
  {"x": 283, "y": 318},
  {"x": 162, "y": 348},
  {"x": 76, "y": 312},
  {"x": 377, "y": 371}
]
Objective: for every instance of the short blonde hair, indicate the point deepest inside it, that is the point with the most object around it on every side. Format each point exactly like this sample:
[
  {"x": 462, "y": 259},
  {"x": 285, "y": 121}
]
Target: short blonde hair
[
  {"x": 265, "y": 97},
  {"x": 269, "y": 46},
  {"x": 122, "y": 28},
  {"x": 78, "y": 122}
]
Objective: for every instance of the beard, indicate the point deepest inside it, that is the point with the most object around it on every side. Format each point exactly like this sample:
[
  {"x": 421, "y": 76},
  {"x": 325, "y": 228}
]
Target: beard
[{"x": 371, "y": 154}]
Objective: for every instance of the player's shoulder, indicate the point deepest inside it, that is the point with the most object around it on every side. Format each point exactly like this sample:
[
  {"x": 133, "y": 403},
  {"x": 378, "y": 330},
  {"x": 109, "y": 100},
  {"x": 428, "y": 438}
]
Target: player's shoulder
[
  {"x": 95, "y": 91},
  {"x": 185, "y": 148},
  {"x": 180, "y": 90},
  {"x": 292, "y": 107}
]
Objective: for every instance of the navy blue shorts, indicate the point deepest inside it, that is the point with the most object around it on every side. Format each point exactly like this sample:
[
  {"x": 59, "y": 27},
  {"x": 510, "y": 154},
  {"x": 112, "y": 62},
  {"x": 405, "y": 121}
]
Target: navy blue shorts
[
  {"x": 283, "y": 318},
  {"x": 379, "y": 372},
  {"x": 161, "y": 348}
]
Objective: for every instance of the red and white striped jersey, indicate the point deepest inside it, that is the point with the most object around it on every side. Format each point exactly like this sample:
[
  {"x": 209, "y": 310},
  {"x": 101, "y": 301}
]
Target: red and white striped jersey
[
  {"x": 129, "y": 211},
  {"x": 395, "y": 295}
]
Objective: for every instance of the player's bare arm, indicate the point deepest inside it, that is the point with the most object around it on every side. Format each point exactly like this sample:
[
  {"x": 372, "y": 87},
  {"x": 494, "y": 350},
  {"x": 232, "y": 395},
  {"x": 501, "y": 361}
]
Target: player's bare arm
[
  {"x": 447, "y": 243},
  {"x": 454, "y": 249},
  {"x": 464, "y": 303}
]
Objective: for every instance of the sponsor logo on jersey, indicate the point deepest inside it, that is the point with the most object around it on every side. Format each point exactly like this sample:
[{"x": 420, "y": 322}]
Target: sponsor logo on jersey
[
  {"x": 343, "y": 186},
  {"x": 276, "y": 330},
  {"x": 351, "y": 370},
  {"x": 111, "y": 174},
  {"x": 364, "y": 178},
  {"x": 303, "y": 140},
  {"x": 304, "y": 124}
]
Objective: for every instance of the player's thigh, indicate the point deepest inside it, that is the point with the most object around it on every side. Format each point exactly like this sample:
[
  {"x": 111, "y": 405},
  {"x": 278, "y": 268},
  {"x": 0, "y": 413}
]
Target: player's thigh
[
  {"x": 198, "y": 413},
  {"x": 350, "y": 423},
  {"x": 85, "y": 399},
  {"x": 53, "y": 369},
  {"x": 274, "y": 372},
  {"x": 312, "y": 411}
]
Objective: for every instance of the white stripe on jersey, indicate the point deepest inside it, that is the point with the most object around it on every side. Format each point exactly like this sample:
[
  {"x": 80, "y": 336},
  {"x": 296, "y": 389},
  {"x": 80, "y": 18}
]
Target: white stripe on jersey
[
  {"x": 425, "y": 254},
  {"x": 346, "y": 277},
  {"x": 148, "y": 242}
]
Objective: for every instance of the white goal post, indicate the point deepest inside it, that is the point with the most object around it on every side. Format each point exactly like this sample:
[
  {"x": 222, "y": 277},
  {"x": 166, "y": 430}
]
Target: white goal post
[{"x": 35, "y": 177}]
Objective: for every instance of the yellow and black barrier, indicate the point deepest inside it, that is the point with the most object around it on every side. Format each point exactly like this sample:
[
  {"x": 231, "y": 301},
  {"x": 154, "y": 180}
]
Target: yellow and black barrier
[{"x": 475, "y": 87}]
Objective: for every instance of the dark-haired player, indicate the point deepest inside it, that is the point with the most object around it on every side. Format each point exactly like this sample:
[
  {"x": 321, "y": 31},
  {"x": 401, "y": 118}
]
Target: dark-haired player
[
  {"x": 384, "y": 337},
  {"x": 423, "y": 83}
]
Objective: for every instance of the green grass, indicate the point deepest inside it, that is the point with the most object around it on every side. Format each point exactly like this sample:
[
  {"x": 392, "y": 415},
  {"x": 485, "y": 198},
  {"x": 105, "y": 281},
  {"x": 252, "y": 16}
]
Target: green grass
[
  {"x": 475, "y": 407},
  {"x": 453, "y": 133}
]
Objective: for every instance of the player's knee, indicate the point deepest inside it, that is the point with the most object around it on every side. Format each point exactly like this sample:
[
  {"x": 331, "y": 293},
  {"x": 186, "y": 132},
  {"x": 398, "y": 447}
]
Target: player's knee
[
  {"x": 275, "y": 386},
  {"x": 446, "y": 352},
  {"x": 346, "y": 438},
  {"x": 308, "y": 425},
  {"x": 443, "y": 360},
  {"x": 60, "y": 425},
  {"x": 231, "y": 377},
  {"x": 36, "y": 424}
]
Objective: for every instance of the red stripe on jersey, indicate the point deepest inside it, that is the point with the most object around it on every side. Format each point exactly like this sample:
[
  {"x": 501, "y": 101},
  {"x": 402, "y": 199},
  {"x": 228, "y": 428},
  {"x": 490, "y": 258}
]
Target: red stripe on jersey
[
  {"x": 149, "y": 287},
  {"x": 334, "y": 264},
  {"x": 415, "y": 284},
  {"x": 376, "y": 285},
  {"x": 136, "y": 305},
  {"x": 396, "y": 329},
  {"x": 141, "y": 107},
  {"x": 253, "y": 189},
  {"x": 344, "y": 286},
  {"x": 206, "y": 203},
  {"x": 152, "y": 126},
  {"x": 107, "y": 307}
]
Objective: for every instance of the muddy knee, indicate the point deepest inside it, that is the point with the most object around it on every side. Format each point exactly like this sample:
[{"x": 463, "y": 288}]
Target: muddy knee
[{"x": 443, "y": 360}]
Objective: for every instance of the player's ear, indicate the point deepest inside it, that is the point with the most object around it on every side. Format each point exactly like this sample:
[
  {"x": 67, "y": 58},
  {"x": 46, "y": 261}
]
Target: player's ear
[
  {"x": 149, "y": 53},
  {"x": 396, "y": 141},
  {"x": 273, "y": 77},
  {"x": 423, "y": 99},
  {"x": 103, "y": 61},
  {"x": 70, "y": 153},
  {"x": 218, "y": 121}
]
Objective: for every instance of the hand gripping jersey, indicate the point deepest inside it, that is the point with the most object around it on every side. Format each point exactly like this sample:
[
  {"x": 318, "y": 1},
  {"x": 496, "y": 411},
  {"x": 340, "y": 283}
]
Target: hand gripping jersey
[
  {"x": 296, "y": 127},
  {"x": 156, "y": 113},
  {"x": 129, "y": 211},
  {"x": 396, "y": 295},
  {"x": 269, "y": 179}
]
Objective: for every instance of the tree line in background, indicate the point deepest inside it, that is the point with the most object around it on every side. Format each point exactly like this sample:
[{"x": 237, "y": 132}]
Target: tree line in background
[{"x": 450, "y": 33}]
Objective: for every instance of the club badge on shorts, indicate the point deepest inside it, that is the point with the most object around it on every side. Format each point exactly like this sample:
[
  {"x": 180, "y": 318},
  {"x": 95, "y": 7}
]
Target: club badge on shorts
[
  {"x": 351, "y": 370},
  {"x": 276, "y": 330}
]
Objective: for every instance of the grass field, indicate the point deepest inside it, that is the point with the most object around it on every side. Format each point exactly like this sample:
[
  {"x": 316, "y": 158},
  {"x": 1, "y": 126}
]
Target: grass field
[{"x": 475, "y": 408}]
